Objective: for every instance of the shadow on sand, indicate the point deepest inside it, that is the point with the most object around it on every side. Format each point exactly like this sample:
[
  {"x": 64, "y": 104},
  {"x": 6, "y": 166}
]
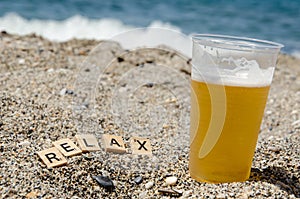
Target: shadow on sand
[{"x": 279, "y": 177}]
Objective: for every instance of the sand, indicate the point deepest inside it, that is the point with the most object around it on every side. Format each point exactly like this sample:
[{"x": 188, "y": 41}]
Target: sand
[{"x": 50, "y": 91}]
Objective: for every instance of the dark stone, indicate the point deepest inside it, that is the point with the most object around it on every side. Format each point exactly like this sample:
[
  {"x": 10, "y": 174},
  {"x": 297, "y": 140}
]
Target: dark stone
[
  {"x": 149, "y": 85},
  {"x": 149, "y": 61},
  {"x": 120, "y": 59},
  {"x": 185, "y": 71},
  {"x": 69, "y": 92},
  {"x": 104, "y": 182},
  {"x": 138, "y": 180},
  {"x": 189, "y": 61},
  {"x": 170, "y": 192}
]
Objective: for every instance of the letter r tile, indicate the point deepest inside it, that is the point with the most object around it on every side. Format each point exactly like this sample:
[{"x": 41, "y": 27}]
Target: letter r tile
[
  {"x": 87, "y": 142},
  {"x": 67, "y": 147},
  {"x": 52, "y": 157},
  {"x": 113, "y": 143},
  {"x": 140, "y": 146}
]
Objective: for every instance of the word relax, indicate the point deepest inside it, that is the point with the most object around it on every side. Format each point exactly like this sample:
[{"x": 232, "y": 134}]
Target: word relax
[{"x": 54, "y": 156}]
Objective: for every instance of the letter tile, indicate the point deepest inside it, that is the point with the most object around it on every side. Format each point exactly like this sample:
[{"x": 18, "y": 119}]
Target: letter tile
[
  {"x": 141, "y": 146},
  {"x": 52, "y": 157},
  {"x": 87, "y": 142},
  {"x": 67, "y": 147},
  {"x": 113, "y": 143}
]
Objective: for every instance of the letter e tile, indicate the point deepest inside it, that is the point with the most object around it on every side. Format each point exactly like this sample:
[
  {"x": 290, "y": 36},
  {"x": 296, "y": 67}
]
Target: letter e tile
[{"x": 67, "y": 147}]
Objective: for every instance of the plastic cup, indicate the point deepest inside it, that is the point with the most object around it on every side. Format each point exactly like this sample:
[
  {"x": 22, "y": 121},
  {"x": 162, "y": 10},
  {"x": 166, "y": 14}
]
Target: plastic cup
[{"x": 231, "y": 77}]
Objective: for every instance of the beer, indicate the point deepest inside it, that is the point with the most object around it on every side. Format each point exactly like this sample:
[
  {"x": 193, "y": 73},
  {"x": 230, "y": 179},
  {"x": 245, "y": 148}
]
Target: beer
[{"x": 237, "y": 110}]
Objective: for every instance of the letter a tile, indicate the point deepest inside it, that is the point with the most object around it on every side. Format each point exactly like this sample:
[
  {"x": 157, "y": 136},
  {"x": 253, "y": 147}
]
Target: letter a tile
[
  {"x": 141, "y": 146},
  {"x": 67, "y": 147},
  {"x": 52, "y": 157},
  {"x": 113, "y": 143},
  {"x": 87, "y": 142}
]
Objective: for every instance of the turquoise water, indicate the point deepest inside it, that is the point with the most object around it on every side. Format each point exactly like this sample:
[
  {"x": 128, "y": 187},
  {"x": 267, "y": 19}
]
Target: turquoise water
[{"x": 276, "y": 20}]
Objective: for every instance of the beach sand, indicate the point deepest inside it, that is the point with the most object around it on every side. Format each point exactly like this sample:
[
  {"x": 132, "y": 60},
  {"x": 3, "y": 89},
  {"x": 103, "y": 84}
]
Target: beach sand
[{"x": 50, "y": 91}]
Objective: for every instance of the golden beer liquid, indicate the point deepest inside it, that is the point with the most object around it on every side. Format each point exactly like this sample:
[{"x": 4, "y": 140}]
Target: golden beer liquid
[{"x": 231, "y": 157}]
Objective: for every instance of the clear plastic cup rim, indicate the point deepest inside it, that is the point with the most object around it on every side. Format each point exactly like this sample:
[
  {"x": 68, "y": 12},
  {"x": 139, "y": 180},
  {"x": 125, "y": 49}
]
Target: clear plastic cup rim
[{"x": 235, "y": 42}]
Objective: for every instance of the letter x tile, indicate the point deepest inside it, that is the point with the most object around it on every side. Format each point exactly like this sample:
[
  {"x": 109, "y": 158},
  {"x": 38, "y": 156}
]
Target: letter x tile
[{"x": 141, "y": 146}]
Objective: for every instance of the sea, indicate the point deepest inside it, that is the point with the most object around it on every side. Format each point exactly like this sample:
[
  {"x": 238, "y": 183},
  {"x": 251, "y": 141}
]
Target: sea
[{"x": 61, "y": 20}]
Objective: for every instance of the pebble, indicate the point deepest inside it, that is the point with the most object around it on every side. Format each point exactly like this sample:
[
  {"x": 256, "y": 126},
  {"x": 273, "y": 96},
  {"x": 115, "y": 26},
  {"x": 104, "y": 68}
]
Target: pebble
[
  {"x": 143, "y": 194},
  {"x": 69, "y": 92},
  {"x": 138, "y": 180},
  {"x": 269, "y": 112},
  {"x": 105, "y": 173},
  {"x": 24, "y": 143},
  {"x": 50, "y": 70},
  {"x": 187, "y": 193},
  {"x": 221, "y": 196},
  {"x": 63, "y": 91},
  {"x": 148, "y": 185},
  {"x": 171, "y": 180},
  {"x": 170, "y": 192},
  {"x": 274, "y": 149},
  {"x": 21, "y": 61},
  {"x": 32, "y": 194},
  {"x": 88, "y": 156},
  {"x": 104, "y": 181}
]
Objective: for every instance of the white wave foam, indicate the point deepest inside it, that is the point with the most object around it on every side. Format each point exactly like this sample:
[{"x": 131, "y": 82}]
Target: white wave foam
[{"x": 106, "y": 28}]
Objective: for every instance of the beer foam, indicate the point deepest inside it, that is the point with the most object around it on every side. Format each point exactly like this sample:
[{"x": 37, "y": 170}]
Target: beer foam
[{"x": 238, "y": 72}]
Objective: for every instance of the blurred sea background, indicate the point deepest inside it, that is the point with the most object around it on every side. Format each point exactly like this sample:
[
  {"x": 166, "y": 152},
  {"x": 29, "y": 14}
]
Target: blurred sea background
[{"x": 61, "y": 20}]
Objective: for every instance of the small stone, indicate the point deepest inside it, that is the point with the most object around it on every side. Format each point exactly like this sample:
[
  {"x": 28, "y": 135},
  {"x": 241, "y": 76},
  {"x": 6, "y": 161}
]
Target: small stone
[
  {"x": 221, "y": 196},
  {"x": 187, "y": 193},
  {"x": 171, "y": 180},
  {"x": 115, "y": 183},
  {"x": 88, "y": 156},
  {"x": 104, "y": 182},
  {"x": 149, "y": 85},
  {"x": 32, "y": 194},
  {"x": 69, "y": 92},
  {"x": 120, "y": 59},
  {"x": 170, "y": 192},
  {"x": 50, "y": 70},
  {"x": 138, "y": 180},
  {"x": 105, "y": 173},
  {"x": 148, "y": 185},
  {"x": 21, "y": 61},
  {"x": 274, "y": 149},
  {"x": 24, "y": 143},
  {"x": 143, "y": 194},
  {"x": 63, "y": 91},
  {"x": 269, "y": 112}
]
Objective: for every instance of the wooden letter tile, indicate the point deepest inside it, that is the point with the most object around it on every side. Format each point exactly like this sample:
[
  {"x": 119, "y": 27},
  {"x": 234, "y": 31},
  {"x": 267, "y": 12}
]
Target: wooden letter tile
[
  {"x": 67, "y": 147},
  {"x": 113, "y": 143},
  {"x": 141, "y": 146},
  {"x": 87, "y": 142},
  {"x": 52, "y": 157}
]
